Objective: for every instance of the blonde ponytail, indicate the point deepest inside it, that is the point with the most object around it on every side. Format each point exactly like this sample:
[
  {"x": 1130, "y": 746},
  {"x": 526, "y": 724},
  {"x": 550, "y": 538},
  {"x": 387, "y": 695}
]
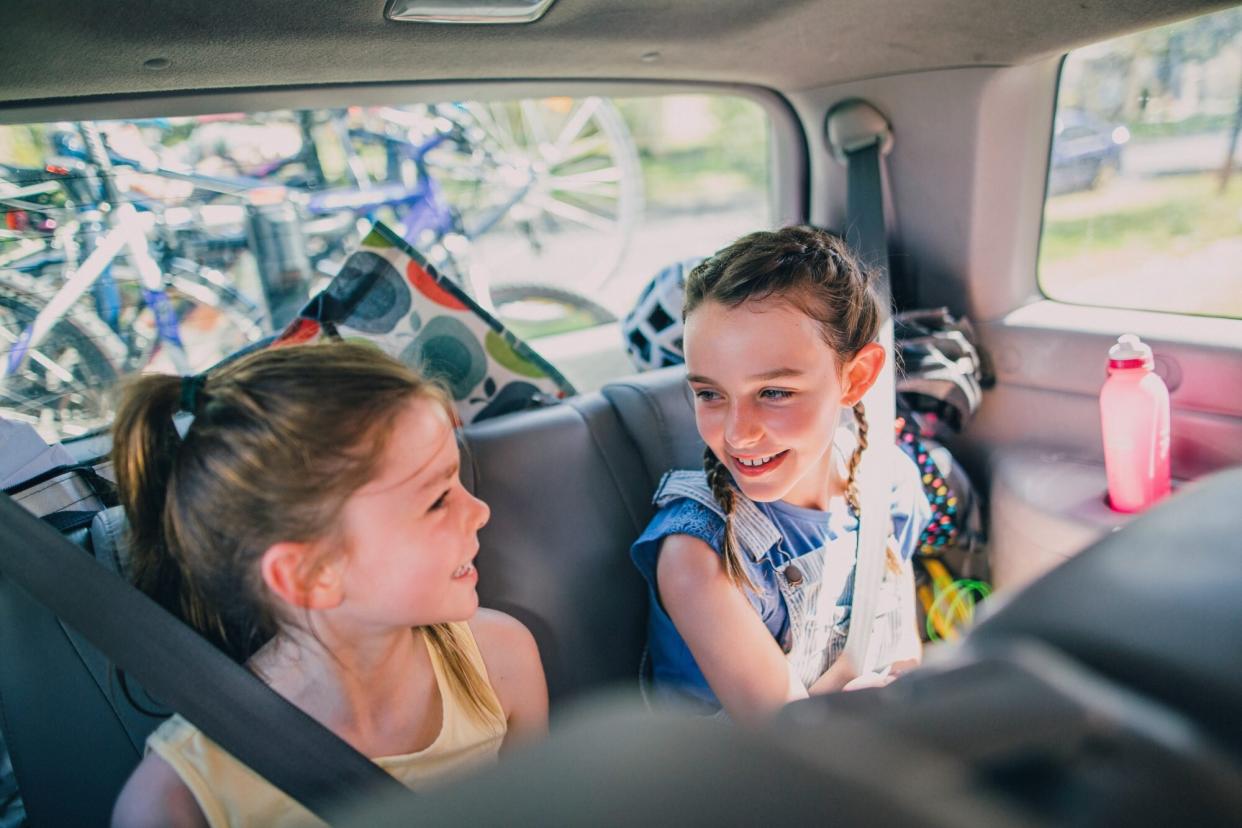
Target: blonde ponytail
[{"x": 463, "y": 676}]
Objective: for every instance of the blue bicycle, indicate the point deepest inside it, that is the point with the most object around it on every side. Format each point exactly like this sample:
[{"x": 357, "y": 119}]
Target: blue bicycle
[{"x": 477, "y": 187}]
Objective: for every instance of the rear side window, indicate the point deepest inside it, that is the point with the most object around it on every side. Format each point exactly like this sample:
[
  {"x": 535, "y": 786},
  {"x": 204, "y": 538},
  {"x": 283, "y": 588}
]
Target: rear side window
[
  {"x": 165, "y": 244},
  {"x": 1144, "y": 199}
]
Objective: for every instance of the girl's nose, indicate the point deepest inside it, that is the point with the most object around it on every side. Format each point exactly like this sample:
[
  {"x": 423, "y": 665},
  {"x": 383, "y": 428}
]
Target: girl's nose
[
  {"x": 483, "y": 512},
  {"x": 742, "y": 428}
]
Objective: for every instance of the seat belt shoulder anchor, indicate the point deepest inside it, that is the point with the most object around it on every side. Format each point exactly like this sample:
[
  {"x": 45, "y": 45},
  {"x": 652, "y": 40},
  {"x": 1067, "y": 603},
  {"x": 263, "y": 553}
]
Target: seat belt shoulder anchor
[{"x": 853, "y": 124}]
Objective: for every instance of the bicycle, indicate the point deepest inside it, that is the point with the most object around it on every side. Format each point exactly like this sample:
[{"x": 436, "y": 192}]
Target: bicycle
[
  {"x": 476, "y": 187},
  {"x": 464, "y": 181},
  {"x": 63, "y": 356}
]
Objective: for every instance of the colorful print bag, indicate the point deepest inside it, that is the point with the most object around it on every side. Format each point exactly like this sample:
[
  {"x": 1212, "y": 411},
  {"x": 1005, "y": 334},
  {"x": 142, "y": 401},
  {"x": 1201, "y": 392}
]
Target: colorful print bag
[{"x": 389, "y": 295}]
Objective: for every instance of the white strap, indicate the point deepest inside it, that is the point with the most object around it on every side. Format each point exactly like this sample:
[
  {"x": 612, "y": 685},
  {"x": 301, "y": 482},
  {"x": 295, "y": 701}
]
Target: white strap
[{"x": 875, "y": 496}]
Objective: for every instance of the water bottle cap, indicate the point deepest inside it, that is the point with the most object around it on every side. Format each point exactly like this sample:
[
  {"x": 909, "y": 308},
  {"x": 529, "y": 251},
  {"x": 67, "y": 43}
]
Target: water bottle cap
[{"x": 1130, "y": 352}]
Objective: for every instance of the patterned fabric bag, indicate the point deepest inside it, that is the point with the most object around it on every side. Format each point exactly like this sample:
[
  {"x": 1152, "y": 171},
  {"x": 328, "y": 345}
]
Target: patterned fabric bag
[{"x": 389, "y": 295}]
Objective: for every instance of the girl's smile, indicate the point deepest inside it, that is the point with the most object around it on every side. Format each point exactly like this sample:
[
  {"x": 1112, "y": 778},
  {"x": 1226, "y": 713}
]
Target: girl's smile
[
  {"x": 768, "y": 397},
  {"x": 466, "y": 572},
  {"x": 756, "y": 465}
]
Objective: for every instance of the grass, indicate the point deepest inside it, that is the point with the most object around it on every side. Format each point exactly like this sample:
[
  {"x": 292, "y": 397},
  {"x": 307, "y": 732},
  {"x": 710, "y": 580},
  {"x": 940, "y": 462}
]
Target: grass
[
  {"x": 1165, "y": 244},
  {"x": 1181, "y": 211},
  {"x": 1194, "y": 125}
]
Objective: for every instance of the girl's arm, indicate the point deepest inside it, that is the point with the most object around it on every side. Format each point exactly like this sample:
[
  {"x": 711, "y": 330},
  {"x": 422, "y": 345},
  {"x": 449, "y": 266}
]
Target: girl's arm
[
  {"x": 742, "y": 662},
  {"x": 155, "y": 796},
  {"x": 516, "y": 674}
]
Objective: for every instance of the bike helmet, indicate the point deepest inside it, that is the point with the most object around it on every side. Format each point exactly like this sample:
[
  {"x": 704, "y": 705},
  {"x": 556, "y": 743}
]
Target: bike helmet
[
  {"x": 941, "y": 374},
  {"x": 652, "y": 330}
]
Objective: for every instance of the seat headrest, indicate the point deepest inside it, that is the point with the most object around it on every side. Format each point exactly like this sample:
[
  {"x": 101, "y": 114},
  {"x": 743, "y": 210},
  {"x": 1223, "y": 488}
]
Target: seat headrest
[
  {"x": 110, "y": 541},
  {"x": 658, "y": 413}
]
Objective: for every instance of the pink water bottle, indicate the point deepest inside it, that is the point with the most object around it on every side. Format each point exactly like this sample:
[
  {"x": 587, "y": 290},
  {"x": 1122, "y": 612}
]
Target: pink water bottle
[{"x": 1134, "y": 416}]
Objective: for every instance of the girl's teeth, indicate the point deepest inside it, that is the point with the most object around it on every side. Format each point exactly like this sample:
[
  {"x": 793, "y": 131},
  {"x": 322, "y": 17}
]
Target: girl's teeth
[
  {"x": 463, "y": 570},
  {"x": 758, "y": 461}
]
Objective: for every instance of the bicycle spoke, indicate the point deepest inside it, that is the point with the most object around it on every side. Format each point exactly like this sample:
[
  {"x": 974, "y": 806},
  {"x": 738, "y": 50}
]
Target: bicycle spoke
[
  {"x": 534, "y": 127},
  {"x": 578, "y": 215},
  {"x": 588, "y": 179},
  {"x": 592, "y": 149},
  {"x": 497, "y": 126},
  {"x": 573, "y": 128},
  {"x": 36, "y": 355}
]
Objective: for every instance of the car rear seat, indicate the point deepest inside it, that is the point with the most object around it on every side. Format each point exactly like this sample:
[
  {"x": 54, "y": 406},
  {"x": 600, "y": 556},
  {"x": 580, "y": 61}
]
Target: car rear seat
[
  {"x": 72, "y": 735},
  {"x": 569, "y": 494},
  {"x": 569, "y": 487}
]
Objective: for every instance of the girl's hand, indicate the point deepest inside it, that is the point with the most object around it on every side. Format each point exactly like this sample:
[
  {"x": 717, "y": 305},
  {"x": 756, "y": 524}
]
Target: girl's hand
[
  {"x": 882, "y": 678},
  {"x": 879, "y": 679}
]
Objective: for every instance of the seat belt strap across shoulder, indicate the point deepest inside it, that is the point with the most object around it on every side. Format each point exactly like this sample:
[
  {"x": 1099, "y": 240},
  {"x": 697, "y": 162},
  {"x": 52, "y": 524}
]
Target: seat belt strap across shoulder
[
  {"x": 183, "y": 670},
  {"x": 859, "y": 135}
]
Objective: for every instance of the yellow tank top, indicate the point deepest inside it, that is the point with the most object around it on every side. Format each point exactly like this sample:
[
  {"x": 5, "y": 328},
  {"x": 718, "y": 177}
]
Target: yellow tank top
[{"x": 230, "y": 794}]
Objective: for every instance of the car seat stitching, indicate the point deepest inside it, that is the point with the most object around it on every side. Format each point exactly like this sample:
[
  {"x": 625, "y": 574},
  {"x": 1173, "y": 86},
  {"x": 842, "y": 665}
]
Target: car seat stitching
[
  {"x": 110, "y": 531},
  {"x": 635, "y": 519},
  {"x": 658, "y": 416}
]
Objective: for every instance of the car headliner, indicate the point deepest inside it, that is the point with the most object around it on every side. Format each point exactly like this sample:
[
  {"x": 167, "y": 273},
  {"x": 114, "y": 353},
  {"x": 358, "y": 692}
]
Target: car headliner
[{"x": 55, "y": 50}]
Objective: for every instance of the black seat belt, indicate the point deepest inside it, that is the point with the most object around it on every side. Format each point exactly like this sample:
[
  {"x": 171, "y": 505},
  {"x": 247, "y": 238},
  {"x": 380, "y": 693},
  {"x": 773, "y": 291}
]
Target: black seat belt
[
  {"x": 864, "y": 207},
  {"x": 176, "y": 665}
]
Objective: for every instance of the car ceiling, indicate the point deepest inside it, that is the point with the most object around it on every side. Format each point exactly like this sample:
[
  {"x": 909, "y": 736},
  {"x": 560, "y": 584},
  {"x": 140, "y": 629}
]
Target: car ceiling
[{"x": 54, "y": 50}]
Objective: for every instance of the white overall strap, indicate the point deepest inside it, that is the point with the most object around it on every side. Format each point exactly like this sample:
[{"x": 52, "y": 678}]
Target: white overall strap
[{"x": 859, "y": 136}]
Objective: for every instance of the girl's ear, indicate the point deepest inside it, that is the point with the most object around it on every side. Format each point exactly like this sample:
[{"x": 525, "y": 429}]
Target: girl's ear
[
  {"x": 285, "y": 567},
  {"x": 861, "y": 372}
]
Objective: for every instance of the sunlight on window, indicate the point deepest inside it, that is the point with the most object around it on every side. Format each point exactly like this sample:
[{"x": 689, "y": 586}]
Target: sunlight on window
[{"x": 1144, "y": 204}]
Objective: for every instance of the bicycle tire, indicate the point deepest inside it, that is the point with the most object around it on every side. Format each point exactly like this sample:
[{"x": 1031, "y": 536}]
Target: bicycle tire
[
  {"x": 569, "y": 310},
  {"x": 552, "y": 204},
  {"x": 75, "y": 396}
]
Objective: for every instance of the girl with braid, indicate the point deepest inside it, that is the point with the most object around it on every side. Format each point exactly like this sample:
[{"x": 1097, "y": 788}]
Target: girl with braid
[{"x": 780, "y": 344}]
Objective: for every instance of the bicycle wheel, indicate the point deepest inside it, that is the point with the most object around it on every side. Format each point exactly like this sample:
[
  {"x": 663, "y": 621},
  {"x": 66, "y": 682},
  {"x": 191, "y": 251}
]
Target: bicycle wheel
[
  {"x": 65, "y": 386},
  {"x": 533, "y": 310},
  {"x": 548, "y": 189},
  {"x": 214, "y": 320}
]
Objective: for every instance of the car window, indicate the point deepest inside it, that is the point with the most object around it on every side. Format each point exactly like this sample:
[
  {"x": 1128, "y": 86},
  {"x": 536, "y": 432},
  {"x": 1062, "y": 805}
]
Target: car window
[
  {"x": 1144, "y": 203},
  {"x": 165, "y": 244}
]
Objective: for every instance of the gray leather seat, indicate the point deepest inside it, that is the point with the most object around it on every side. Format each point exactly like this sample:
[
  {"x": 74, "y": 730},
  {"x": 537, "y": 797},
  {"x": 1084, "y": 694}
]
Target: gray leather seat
[
  {"x": 657, "y": 412},
  {"x": 72, "y": 733},
  {"x": 569, "y": 489}
]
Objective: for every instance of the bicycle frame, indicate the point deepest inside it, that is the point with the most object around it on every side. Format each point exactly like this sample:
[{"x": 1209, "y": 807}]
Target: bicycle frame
[
  {"x": 423, "y": 205},
  {"x": 126, "y": 234}
]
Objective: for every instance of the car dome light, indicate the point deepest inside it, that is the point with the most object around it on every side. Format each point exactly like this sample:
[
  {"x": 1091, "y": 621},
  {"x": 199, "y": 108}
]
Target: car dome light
[{"x": 467, "y": 11}]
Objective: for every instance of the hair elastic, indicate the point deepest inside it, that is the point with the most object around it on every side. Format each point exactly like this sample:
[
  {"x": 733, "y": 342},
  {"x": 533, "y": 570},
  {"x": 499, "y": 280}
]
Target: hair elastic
[{"x": 191, "y": 390}]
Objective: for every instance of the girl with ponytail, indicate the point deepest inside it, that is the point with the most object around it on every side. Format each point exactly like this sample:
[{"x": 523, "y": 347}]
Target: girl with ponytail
[
  {"x": 780, "y": 345},
  {"x": 301, "y": 508}
]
